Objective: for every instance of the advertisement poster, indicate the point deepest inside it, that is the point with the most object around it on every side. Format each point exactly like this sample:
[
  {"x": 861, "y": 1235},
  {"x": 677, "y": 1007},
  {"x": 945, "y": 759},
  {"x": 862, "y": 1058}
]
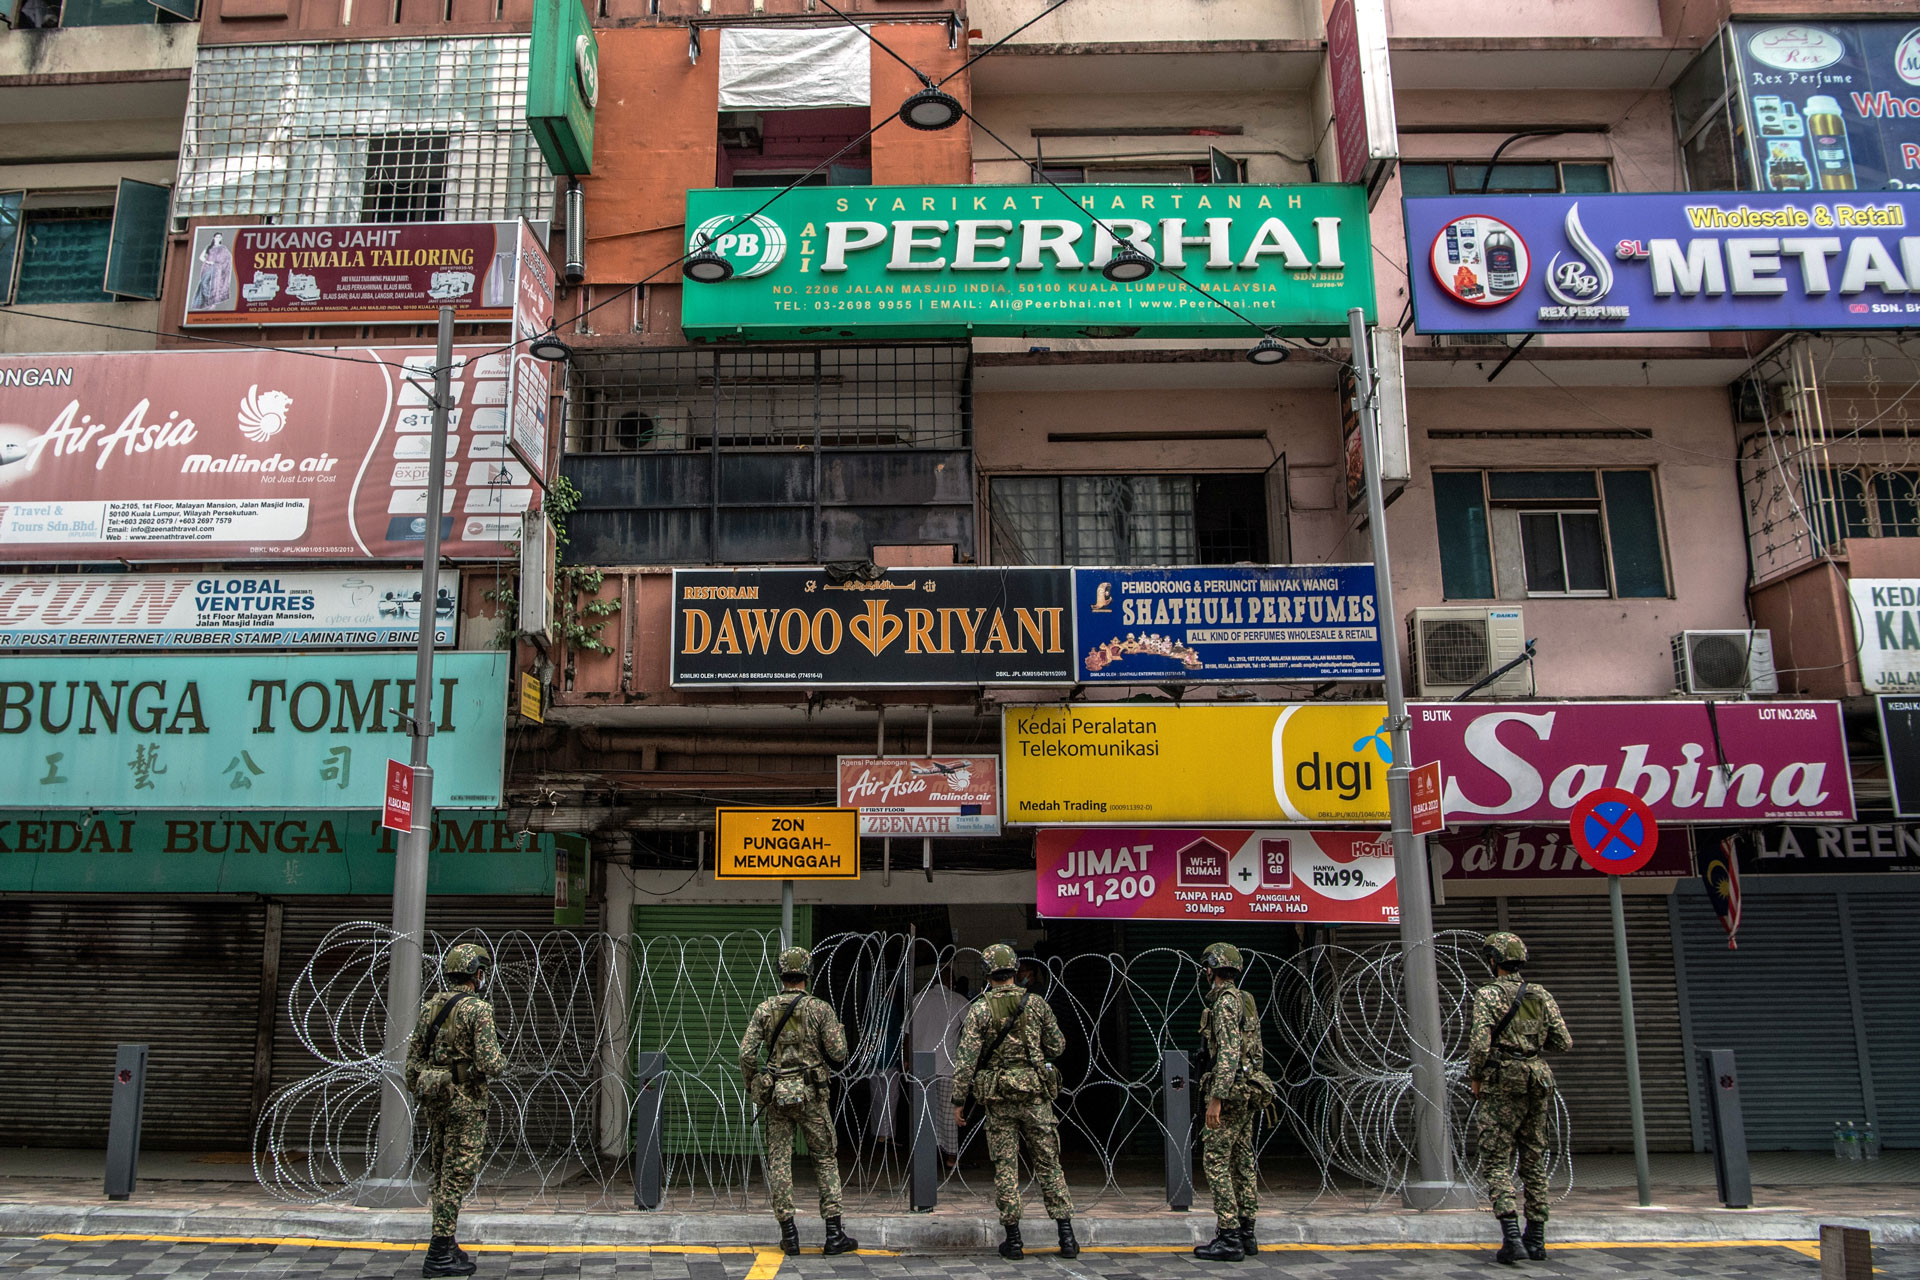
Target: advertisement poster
[
  {"x": 918, "y": 627},
  {"x": 1495, "y": 855},
  {"x": 530, "y": 398},
  {"x": 1655, "y": 262},
  {"x": 1278, "y": 622},
  {"x": 244, "y": 730},
  {"x": 1830, "y": 106},
  {"x": 1886, "y": 632},
  {"x": 1835, "y": 849},
  {"x": 956, "y": 262},
  {"x": 299, "y": 609},
  {"x": 361, "y": 273},
  {"x": 1282, "y": 875},
  {"x": 1690, "y": 761},
  {"x": 1159, "y": 764},
  {"x": 923, "y": 795},
  {"x": 230, "y": 455}
]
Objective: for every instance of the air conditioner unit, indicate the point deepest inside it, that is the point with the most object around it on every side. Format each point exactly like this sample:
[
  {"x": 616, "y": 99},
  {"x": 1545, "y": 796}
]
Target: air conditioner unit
[
  {"x": 671, "y": 428},
  {"x": 1731, "y": 662},
  {"x": 1455, "y": 648}
]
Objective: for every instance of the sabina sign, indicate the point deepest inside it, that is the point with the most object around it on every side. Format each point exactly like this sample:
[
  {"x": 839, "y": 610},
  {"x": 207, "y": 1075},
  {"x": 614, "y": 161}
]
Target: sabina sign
[{"x": 951, "y": 262}]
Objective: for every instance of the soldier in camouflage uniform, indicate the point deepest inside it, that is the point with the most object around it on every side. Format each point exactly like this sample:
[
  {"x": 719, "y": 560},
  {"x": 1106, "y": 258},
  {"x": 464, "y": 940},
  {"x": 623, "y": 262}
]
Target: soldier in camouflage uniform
[
  {"x": 1015, "y": 1032},
  {"x": 1236, "y": 1088},
  {"x": 454, "y": 1051},
  {"x": 1513, "y": 1022},
  {"x": 805, "y": 1043}
]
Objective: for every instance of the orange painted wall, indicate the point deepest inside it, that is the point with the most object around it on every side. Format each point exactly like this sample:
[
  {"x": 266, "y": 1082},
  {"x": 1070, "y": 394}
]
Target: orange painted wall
[{"x": 903, "y": 156}]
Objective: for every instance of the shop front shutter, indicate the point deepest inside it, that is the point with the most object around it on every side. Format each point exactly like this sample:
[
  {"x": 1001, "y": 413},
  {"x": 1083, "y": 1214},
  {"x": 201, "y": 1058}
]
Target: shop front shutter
[
  {"x": 81, "y": 976},
  {"x": 1882, "y": 919}
]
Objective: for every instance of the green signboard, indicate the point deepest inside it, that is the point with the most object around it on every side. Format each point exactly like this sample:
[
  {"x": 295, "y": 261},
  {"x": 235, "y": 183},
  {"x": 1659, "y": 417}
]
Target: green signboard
[
  {"x": 266, "y": 852},
  {"x": 563, "y": 85},
  {"x": 244, "y": 730},
  {"x": 953, "y": 262}
]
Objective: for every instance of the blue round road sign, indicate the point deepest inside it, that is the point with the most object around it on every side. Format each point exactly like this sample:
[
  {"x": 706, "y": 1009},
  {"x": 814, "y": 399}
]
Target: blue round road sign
[{"x": 1614, "y": 831}]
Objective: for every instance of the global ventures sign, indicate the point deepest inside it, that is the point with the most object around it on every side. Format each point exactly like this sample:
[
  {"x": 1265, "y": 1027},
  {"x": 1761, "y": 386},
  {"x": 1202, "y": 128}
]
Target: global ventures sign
[
  {"x": 959, "y": 261},
  {"x": 1664, "y": 261}
]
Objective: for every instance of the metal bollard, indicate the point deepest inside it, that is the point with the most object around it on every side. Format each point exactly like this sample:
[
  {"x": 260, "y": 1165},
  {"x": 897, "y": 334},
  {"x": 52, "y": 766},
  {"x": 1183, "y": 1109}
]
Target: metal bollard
[
  {"x": 649, "y": 1075},
  {"x": 1726, "y": 1128},
  {"x": 123, "y": 1125},
  {"x": 923, "y": 1175},
  {"x": 1176, "y": 1114}
]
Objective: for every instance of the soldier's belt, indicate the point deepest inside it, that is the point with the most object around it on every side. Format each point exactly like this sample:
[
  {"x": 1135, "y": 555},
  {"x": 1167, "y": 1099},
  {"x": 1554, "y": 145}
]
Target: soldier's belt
[{"x": 1505, "y": 1052}]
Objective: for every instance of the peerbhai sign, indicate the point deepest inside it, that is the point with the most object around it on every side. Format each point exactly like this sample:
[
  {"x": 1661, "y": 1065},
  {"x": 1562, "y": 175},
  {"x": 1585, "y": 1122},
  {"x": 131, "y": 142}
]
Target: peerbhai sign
[
  {"x": 222, "y": 455},
  {"x": 953, "y": 262}
]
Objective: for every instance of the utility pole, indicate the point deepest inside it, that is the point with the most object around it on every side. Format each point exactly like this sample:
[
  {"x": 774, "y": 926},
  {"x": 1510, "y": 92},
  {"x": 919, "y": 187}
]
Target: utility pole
[
  {"x": 1435, "y": 1187},
  {"x": 395, "y": 1135}
]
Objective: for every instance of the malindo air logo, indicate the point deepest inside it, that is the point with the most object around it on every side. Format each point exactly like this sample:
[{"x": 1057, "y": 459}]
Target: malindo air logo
[
  {"x": 754, "y": 245},
  {"x": 1577, "y": 281},
  {"x": 263, "y": 414}
]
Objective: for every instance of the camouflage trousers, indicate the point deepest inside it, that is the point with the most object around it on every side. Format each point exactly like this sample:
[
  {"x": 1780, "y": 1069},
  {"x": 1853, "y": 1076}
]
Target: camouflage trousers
[
  {"x": 1032, "y": 1121},
  {"x": 1232, "y": 1175},
  {"x": 455, "y": 1140},
  {"x": 814, "y": 1121},
  {"x": 1516, "y": 1106}
]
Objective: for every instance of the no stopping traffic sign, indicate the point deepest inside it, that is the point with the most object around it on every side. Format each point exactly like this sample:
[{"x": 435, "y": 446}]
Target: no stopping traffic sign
[{"x": 1614, "y": 831}]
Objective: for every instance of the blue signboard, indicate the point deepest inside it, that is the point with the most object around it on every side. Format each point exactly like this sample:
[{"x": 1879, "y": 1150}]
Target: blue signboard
[
  {"x": 1830, "y": 106},
  {"x": 1226, "y": 622},
  {"x": 1682, "y": 260}
]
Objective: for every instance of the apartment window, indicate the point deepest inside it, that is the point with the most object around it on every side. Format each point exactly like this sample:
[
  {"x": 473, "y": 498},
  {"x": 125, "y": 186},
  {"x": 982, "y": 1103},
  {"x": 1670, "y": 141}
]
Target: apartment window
[
  {"x": 42, "y": 14},
  {"x": 1859, "y": 503},
  {"x": 82, "y": 246},
  {"x": 1575, "y": 177},
  {"x": 775, "y": 148},
  {"x": 406, "y": 178},
  {"x": 1512, "y": 535},
  {"x": 1129, "y": 519},
  {"x": 1706, "y": 117},
  {"x": 1139, "y": 175}
]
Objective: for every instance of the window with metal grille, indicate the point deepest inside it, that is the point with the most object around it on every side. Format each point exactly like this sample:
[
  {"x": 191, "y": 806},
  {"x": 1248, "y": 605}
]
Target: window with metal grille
[
  {"x": 1129, "y": 519},
  {"x": 1513, "y": 535},
  {"x": 378, "y": 130}
]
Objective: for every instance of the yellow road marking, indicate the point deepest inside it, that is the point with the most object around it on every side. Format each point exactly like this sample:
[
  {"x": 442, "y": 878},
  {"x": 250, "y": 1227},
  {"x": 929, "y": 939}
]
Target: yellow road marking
[
  {"x": 1810, "y": 1248},
  {"x": 766, "y": 1262},
  {"x": 767, "y": 1265}
]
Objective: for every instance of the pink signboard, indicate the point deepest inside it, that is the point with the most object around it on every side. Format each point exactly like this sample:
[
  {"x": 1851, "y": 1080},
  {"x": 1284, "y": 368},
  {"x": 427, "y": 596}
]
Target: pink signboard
[
  {"x": 1280, "y": 875},
  {"x": 1542, "y": 854},
  {"x": 1690, "y": 761},
  {"x": 923, "y": 795},
  {"x": 1349, "y": 91},
  {"x": 254, "y": 455}
]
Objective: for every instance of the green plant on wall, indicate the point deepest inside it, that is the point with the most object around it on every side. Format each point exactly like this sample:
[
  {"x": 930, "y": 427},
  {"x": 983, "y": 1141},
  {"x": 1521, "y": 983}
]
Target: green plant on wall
[{"x": 579, "y": 615}]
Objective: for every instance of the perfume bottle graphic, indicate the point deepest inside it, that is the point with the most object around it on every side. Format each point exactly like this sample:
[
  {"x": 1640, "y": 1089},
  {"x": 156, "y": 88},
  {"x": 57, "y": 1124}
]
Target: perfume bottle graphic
[{"x": 1832, "y": 157}]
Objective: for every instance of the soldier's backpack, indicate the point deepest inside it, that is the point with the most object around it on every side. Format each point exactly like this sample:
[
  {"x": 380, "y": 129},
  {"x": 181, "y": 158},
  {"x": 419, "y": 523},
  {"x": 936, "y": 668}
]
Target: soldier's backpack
[
  {"x": 433, "y": 1082},
  {"x": 791, "y": 1089}
]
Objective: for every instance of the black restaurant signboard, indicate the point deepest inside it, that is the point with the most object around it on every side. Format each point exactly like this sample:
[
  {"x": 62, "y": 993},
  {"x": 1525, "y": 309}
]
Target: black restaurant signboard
[{"x": 819, "y": 627}]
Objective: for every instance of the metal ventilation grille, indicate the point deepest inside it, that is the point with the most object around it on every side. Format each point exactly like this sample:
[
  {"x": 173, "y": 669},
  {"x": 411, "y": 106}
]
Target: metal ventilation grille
[
  {"x": 1719, "y": 662},
  {"x": 378, "y": 130},
  {"x": 1454, "y": 651}
]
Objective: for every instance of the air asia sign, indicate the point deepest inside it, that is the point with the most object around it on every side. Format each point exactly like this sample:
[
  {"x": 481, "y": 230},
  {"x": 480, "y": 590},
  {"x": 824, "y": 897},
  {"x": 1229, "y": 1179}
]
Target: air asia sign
[
  {"x": 221, "y": 455},
  {"x": 1831, "y": 106},
  {"x": 1283, "y": 875},
  {"x": 1664, "y": 261},
  {"x": 243, "y": 731},
  {"x": 955, "y": 262},
  {"x": 330, "y": 608},
  {"x": 923, "y": 795},
  {"x": 1690, "y": 761}
]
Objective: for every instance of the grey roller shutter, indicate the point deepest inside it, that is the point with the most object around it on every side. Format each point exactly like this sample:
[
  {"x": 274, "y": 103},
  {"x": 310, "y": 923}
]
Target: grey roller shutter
[
  {"x": 80, "y": 976},
  {"x": 1882, "y": 918}
]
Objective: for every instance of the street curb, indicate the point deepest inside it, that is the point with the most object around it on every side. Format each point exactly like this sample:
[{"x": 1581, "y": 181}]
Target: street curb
[{"x": 926, "y": 1233}]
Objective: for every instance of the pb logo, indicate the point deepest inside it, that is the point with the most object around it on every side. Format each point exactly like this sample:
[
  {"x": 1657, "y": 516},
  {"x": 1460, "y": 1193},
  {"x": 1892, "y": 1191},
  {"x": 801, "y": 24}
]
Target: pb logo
[{"x": 753, "y": 245}]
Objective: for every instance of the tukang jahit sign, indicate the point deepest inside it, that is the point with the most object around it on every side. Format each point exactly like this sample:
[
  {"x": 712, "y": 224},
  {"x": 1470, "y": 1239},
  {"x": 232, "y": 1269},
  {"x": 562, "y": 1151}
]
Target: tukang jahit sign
[{"x": 954, "y": 262}]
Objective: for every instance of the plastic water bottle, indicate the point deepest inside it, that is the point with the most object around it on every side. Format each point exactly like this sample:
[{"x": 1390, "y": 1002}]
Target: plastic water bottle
[
  {"x": 1853, "y": 1145},
  {"x": 1839, "y": 1141},
  {"x": 1870, "y": 1143}
]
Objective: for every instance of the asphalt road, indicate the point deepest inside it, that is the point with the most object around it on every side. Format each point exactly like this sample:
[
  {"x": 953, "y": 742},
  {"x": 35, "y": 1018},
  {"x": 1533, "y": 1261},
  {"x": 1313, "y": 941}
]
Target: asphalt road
[{"x": 153, "y": 1259}]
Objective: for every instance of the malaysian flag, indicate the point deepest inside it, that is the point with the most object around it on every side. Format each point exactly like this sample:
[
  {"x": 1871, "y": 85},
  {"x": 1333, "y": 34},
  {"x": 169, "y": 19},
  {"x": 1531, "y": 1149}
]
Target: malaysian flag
[{"x": 1721, "y": 875}]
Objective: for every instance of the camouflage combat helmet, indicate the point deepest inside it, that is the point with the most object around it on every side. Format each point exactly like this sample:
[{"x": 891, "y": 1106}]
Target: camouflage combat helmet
[
  {"x": 795, "y": 961},
  {"x": 999, "y": 958},
  {"x": 1504, "y": 948},
  {"x": 465, "y": 960},
  {"x": 1222, "y": 955}
]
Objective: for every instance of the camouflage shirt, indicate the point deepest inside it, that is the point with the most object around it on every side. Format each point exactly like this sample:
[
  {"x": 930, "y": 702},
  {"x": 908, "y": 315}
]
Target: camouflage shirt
[
  {"x": 1535, "y": 1027},
  {"x": 466, "y": 1039},
  {"x": 1231, "y": 1029},
  {"x": 812, "y": 1037},
  {"x": 1021, "y": 1053}
]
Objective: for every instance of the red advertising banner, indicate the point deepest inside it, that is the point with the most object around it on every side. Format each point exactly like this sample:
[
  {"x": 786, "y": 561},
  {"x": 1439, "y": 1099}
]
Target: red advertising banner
[
  {"x": 231, "y": 455},
  {"x": 1423, "y": 783},
  {"x": 362, "y": 273},
  {"x": 923, "y": 795},
  {"x": 531, "y": 397},
  {"x": 1276, "y": 875},
  {"x": 1349, "y": 91},
  {"x": 1690, "y": 761},
  {"x": 397, "y": 815},
  {"x": 1537, "y": 854}
]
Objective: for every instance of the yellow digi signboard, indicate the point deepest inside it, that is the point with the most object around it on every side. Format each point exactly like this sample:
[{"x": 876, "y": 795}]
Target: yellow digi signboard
[
  {"x": 787, "y": 844},
  {"x": 1127, "y": 765}
]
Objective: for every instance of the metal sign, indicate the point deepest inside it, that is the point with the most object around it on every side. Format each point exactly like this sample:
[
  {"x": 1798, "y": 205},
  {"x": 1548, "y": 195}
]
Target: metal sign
[
  {"x": 530, "y": 380},
  {"x": 1531, "y": 858},
  {"x": 1362, "y": 86},
  {"x": 572, "y": 874},
  {"x": 1829, "y": 105},
  {"x": 563, "y": 85},
  {"x": 1614, "y": 831},
  {"x": 956, "y": 262},
  {"x": 1429, "y": 812},
  {"x": 1886, "y": 630},
  {"x": 1837, "y": 849},
  {"x": 397, "y": 813},
  {"x": 1279, "y": 622},
  {"x": 1900, "y": 740},
  {"x": 787, "y": 844},
  {"x": 923, "y": 795}
]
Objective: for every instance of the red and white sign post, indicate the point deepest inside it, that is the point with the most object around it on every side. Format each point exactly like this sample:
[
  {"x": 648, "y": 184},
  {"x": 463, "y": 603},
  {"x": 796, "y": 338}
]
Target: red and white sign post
[
  {"x": 1429, "y": 811},
  {"x": 398, "y": 814}
]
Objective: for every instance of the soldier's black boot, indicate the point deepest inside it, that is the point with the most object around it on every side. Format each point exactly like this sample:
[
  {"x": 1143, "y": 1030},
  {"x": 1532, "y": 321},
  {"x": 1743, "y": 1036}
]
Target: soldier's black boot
[
  {"x": 1011, "y": 1249},
  {"x": 789, "y": 1237},
  {"x": 1535, "y": 1238},
  {"x": 461, "y": 1254},
  {"x": 838, "y": 1241},
  {"x": 1069, "y": 1244},
  {"x": 1248, "y": 1245},
  {"x": 442, "y": 1260},
  {"x": 1512, "y": 1249},
  {"x": 1224, "y": 1247}
]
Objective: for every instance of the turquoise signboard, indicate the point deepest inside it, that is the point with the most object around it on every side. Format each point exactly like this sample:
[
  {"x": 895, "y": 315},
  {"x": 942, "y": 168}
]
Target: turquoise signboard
[{"x": 244, "y": 730}]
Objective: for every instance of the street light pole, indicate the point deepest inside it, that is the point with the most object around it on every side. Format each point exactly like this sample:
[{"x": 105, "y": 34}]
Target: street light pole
[
  {"x": 1435, "y": 1187},
  {"x": 395, "y": 1135}
]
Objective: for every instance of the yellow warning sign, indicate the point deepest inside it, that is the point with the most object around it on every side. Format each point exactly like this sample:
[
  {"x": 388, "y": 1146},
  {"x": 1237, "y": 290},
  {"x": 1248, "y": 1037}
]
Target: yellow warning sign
[{"x": 787, "y": 844}]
